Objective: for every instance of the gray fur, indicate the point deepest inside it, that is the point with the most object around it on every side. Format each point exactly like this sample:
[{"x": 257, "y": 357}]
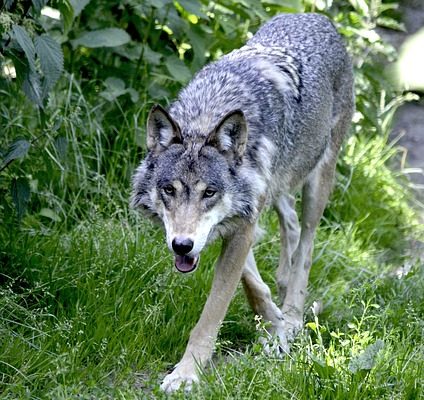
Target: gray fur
[{"x": 263, "y": 121}]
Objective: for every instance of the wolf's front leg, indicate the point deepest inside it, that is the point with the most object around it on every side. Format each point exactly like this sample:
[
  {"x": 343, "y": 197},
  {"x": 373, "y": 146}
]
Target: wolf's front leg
[{"x": 202, "y": 338}]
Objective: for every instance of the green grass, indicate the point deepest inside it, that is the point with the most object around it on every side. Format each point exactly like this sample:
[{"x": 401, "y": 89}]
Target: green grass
[{"x": 98, "y": 311}]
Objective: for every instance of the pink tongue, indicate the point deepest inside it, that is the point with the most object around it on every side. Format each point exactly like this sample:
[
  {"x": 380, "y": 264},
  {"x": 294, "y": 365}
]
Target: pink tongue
[{"x": 185, "y": 263}]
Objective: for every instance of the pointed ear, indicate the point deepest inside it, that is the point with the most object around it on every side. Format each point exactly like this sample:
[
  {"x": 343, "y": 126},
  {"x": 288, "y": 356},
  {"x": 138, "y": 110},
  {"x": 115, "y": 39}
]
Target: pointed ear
[
  {"x": 162, "y": 130},
  {"x": 230, "y": 135}
]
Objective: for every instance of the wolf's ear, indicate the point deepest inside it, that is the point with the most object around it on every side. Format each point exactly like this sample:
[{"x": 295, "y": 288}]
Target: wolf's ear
[
  {"x": 230, "y": 135},
  {"x": 162, "y": 130}
]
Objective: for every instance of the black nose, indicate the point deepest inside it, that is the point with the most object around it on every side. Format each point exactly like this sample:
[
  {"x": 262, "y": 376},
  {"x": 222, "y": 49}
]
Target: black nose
[{"x": 182, "y": 246}]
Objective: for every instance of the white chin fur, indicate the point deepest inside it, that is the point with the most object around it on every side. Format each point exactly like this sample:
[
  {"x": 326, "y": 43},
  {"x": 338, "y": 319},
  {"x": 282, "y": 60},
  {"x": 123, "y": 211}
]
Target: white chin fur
[{"x": 198, "y": 231}]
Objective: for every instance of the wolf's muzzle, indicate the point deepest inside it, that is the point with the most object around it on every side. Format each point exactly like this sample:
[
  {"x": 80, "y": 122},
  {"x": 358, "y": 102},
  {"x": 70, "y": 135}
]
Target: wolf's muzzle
[{"x": 182, "y": 246}]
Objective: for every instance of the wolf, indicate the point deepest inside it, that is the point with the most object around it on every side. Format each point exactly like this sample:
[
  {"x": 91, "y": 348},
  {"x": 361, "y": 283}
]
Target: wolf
[{"x": 248, "y": 132}]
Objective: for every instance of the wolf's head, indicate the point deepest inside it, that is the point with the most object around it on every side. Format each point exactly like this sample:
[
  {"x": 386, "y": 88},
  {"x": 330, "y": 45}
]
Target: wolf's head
[{"x": 192, "y": 182}]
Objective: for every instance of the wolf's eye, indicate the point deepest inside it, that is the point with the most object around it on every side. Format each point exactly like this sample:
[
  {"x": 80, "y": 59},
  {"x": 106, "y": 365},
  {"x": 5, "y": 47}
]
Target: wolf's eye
[
  {"x": 169, "y": 190},
  {"x": 209, "y": 193}
]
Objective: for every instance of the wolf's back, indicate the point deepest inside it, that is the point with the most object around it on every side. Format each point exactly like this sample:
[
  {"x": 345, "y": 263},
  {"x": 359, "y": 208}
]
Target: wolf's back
[
  {"x": 290, "y": 56},
  {"x": 311, "y": 38}
]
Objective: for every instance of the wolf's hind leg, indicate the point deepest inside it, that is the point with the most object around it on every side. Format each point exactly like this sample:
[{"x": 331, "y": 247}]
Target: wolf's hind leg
[
  {"x": 316, "y": 191},
  {"x": 289, "y": 239},
  {"x": 259, "y": 297}
]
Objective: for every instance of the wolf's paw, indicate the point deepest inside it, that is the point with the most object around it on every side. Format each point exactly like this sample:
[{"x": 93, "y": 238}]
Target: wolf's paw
[
  {"x": 278, "y": 337},
  {"x": 292, "y": 326},
  {"x": 179, "y": 377},
  {"x": 274, "y": 346},
  {"x": 275, "y": 342}
]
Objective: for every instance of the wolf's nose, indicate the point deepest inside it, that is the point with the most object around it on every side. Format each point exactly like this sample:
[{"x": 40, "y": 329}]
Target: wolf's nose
[{"x": 182, "y": 246}]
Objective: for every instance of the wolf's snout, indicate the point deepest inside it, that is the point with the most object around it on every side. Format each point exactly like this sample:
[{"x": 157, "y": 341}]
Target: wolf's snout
[{"x": 182, "y": 246}]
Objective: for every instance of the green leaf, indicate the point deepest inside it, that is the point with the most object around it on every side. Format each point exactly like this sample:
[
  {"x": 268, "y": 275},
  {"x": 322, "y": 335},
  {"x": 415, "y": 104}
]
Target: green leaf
[
  {"x": 193, "y": 7},
  {"x": 51, "y": 60},
  {"x": 366, "y": 360},
  {"x": 313, "y": 326},
  {"x": 134, "y": 96},
  {"x": 292, "y": 5},
  {"x": 320, "y": 366},
  {"x": 21, "y": 66},
  {"x": 158, "y": 3},
  {"x": 8, "y": 4},
  {"x": 17, "y": 149},
  {"x": 322, "y": 5},
  {"x": 78, "y": 6},
  {"x": 61, "y": 145},
  {"x": 20, "y": 195},
  {"x": 157, "y": 91},
  {"x": 178, "y": 69},
  {"x": 67, "y": 13},
  {"x": 115, "y": 87},
  {"x": 198, "y": 41},
  {"x": 109, "y": 37},
  {"x": 132, "y": 51},
  {"x": 25, "y": 43},
  {"x": 27, "y": 76},
  {"x": 38, "y": 4},
  {"x": 361, "y": 6},
  {"x": 390, "y": 23},
  {"x": 115, "y": 84},
  {"x": 152, "y": 57},
  {"x": 49, "y": 213},
  {"x": 32, "y": 88}
]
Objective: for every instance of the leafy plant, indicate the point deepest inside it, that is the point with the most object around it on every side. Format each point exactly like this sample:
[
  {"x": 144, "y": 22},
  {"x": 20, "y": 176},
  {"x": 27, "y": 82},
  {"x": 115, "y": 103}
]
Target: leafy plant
[{"x": 27, "y": 51}]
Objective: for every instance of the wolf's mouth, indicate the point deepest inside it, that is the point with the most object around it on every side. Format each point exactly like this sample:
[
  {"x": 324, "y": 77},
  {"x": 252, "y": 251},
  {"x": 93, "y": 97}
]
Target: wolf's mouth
[{"x": 185, "y": 263}]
